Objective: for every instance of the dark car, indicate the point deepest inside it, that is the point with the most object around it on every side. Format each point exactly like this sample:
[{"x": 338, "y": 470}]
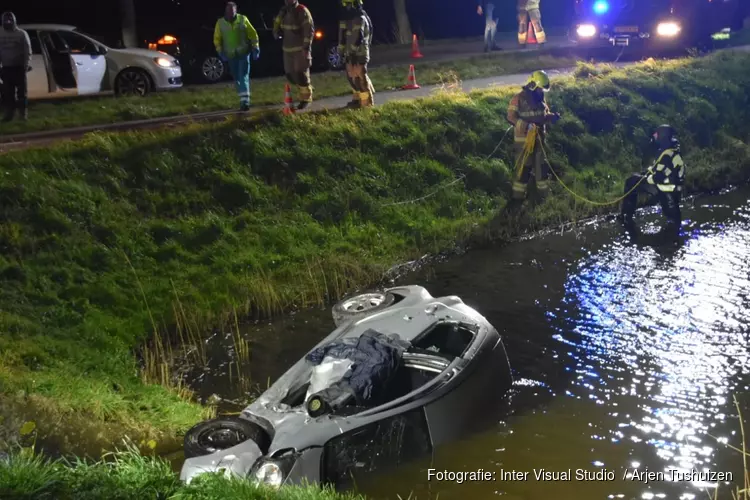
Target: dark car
[
  {"x": 193, "y": 46},
  {"x": 653, "y": 24},
  {"x": 312, "y": 425}
]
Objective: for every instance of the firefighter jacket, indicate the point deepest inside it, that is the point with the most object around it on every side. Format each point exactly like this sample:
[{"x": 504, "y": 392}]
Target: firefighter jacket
[
  {"x": 355, "y": 36},
  {"x": 526, "y": 109},
  {"x": 526, "y": 5},
  {"x": 15, "y": 48},
  {"x": 668, "y": 171},
  {"x": 235, "y": 38},
  {"x": 295, "y": 25}
]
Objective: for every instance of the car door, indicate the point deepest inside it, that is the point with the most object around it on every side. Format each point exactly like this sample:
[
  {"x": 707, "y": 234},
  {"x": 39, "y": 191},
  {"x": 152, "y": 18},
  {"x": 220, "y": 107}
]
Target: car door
[
  {"x": 38, "y": 80},
  {"x": 90, "y": 65}
]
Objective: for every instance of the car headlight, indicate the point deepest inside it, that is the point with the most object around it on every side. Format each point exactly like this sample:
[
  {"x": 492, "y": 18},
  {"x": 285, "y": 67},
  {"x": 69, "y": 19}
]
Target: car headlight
[
  {"x": 586, "y": 30},
  {"x": 667, "y": 29},
  {"x": 164, "y": 62},
  {"x": 272, "y": 472}
]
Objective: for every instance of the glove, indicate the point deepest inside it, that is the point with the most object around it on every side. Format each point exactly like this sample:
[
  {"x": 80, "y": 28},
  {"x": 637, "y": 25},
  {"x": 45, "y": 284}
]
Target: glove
[{"x": 256, "y": 53}]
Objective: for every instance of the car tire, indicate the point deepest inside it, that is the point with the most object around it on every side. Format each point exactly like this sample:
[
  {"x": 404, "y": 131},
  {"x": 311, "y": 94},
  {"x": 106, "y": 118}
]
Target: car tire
[
  {"x": 335, "y": 60},
  {"x": 212, "y": 69},
  {"x": 223, "y": 433},
  {"x": 132, "y": 82},
  {"x": 360, "y": 306}
]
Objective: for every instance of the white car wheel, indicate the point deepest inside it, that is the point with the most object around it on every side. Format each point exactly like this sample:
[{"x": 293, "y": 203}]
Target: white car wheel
[
  {"x": 213, "y": 69},
  {"x": 335, "y": 59},
  {"x": 361, "y": 306}
]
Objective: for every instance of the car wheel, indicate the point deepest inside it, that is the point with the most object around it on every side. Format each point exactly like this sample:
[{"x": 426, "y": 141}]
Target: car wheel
[
  {"x": 335, "y": 60},
  {"x": 223, "y": 433},
  {"x": 361, "y": 306},
  {"x": 213, "y": 69},
  {"x": 132, "y": 81}
]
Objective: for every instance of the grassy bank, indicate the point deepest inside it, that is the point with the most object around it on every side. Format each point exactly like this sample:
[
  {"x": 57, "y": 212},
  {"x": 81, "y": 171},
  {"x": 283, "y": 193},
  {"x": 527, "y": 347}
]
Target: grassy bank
[
  {"x": 128, "y": 475},
  {"x": 107, "y": 241},
  {"x": 54, "y": 115}
]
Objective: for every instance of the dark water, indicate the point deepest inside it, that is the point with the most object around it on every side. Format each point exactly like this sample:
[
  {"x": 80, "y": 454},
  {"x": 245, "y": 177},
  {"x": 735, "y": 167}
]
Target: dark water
[{"x": 627, "y": 354}]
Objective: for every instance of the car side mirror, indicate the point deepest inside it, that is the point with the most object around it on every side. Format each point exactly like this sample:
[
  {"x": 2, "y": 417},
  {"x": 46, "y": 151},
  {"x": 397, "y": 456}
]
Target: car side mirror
[{"x": 102, "y": 50}]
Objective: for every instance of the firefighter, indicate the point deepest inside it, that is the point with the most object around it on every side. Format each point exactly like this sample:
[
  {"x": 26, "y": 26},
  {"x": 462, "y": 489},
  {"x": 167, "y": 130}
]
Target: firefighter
[
  {"x": 529, "y": 10},
  {"x": 355, "y": 38},
  {"x": 529, "y": 109},
  {"x": 235, "y": 39},
  {"x": 490, "y": 23},
  {"x": 295, "y": 25},
  {"x": 664, "y": 179},
  {"x": 15, "y": 63}
]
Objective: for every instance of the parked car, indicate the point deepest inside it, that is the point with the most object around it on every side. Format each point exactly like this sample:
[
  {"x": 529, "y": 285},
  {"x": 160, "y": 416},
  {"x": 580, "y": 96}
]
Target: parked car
[
  {"x": 193, "y": 46},
  {"x": 66, "y": 62},
  {"x": 453, "y": 368},
  {"x": 652, "y": 24}
]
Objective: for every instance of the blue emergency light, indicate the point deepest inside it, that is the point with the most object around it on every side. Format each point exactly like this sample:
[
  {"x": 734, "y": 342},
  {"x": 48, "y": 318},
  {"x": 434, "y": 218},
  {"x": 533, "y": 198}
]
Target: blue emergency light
[{"x": 600, "y": 7}]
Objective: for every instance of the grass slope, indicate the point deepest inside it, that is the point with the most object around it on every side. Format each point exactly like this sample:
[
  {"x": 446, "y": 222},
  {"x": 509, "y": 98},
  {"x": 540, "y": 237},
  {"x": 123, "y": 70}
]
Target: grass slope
[
  {"x": 105, "y": 241},
  {"x": 61, "y": 114}
]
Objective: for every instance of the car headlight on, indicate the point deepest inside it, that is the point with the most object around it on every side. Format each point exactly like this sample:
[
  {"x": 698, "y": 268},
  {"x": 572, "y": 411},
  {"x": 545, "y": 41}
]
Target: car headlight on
[
  {"x": 164, "y": 62},
  {"x": 667, "y": 29},
  {"x": 586, "y": 30}
]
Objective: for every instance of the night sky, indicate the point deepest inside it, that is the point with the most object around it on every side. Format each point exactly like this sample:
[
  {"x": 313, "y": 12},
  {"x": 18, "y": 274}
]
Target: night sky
[{"x": 430, "y": 18}]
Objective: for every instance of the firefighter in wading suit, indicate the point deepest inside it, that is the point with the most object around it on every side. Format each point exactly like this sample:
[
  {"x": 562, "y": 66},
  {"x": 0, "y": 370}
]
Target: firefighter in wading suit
[
  {"x": 529, "y": 109},
  {"x": 295, "y": 25},
  {"x": 355, "y": 38},
  {"x": 529, "y": 10},
  {"x": 664, "y": 179}
]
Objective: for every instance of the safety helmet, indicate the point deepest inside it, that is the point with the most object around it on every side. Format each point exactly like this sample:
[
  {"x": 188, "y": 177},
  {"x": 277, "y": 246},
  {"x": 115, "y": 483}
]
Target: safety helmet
[
  {"x": 539, "y": 80},
  {"x": 664, "y": 136}
]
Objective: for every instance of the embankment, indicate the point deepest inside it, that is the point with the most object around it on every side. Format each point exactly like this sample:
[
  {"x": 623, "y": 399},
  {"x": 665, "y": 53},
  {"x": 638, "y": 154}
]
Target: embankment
[{"x": 118, "y": 239}]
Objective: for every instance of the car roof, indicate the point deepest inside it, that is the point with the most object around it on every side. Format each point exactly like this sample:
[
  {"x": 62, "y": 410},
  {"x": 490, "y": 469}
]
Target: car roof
[{"x": 64, "y": 27}]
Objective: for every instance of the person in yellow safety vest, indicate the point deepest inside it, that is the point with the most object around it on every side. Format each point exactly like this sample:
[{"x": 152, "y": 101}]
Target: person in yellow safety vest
[
  {"x": 355, "y": 38},
  {"x": 529, "y": 10},
  {"x": 529, "y": 109},
  {"x": 664, "y": 179},
  {"x": 235, "y": 39},
  {"x": 295, "y": 25}
]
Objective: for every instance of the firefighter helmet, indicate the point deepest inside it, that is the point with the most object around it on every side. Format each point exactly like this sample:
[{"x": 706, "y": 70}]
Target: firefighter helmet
[
  {"x": 351, "y": 3},
  {"x": 538, "y": 80},
  {"x": 664, "y": 136}
]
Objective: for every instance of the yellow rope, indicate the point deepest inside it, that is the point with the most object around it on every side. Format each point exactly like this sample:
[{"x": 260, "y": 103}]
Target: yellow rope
[{"x": 531, "y": 138}]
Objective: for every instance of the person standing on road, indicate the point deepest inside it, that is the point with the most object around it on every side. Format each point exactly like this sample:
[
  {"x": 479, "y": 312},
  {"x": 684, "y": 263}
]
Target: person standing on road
[
  {"x": 529, "y": 109},
  {"x": 490, "y": 23},
  {"x": 235, "y": 39},
  {"x": 529, "y": 10},
  {"x": 664, "y": 179},
  {"x": 15, "y": 63},
  {"x": 355, "y": 39},
  {"x": 295, "y": 25}
]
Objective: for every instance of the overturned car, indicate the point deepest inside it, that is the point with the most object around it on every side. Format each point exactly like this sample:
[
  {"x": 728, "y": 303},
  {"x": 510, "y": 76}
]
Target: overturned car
[{"x": 402, "y": 373}]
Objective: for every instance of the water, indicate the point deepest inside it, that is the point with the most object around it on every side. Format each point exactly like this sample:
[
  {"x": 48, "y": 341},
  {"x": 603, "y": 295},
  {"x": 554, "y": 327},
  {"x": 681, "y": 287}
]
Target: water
[{"x": 627, "y": 355}]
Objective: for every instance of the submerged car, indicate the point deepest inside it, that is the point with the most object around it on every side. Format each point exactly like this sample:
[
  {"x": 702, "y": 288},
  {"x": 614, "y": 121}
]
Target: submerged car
[
  {"x": 66, "y": 62},
  {"x": 402, "y": 373}
]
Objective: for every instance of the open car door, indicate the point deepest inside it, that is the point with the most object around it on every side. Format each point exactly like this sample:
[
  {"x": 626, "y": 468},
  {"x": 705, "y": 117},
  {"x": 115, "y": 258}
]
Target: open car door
[{"x": 89, "y": 62}]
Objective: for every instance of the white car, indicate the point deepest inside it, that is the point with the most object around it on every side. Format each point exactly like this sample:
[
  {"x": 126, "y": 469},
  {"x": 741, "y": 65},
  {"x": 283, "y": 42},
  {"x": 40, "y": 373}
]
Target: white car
[{"x": 66, "y": 62}]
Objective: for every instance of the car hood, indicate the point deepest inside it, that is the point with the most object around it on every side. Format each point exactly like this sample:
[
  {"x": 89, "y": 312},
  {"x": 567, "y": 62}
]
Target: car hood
[{"x": 140, "y": 52}]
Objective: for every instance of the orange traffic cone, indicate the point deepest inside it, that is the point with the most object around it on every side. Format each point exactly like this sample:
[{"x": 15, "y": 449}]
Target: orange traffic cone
[
  {"x": 531, "y": 36},
  {"x": 288, "y": 102},
  {"x": 415, "y": 53},
  {"x": 411, "y": 83}
]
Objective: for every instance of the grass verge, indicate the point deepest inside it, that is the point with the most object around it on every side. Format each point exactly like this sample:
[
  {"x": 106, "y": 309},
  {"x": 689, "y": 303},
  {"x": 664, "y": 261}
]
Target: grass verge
[
  {"x": 128, "y": 475},
  {"x": 74, "y": 112},
  {"x": 151, "y": 238}
]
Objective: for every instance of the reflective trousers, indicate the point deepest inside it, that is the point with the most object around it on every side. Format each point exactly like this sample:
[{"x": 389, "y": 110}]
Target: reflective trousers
[
  {"x": 523, "y": 26},
  {"x": 297, "y": 69},
  {"x": 490, "y": 27},
  {"x": 239, "y": 67},
  {"x": 670, "y": 202},
  {"x": 535, "y": 162},
  {"x": 359, "y": 80}
]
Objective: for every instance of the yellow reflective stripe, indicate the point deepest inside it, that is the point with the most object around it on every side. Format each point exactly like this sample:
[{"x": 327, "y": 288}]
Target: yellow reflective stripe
[
  {"x": 292, "y": 49},
  {"x": 290, "y": 27},
  {"x": 668, "y": 188}
]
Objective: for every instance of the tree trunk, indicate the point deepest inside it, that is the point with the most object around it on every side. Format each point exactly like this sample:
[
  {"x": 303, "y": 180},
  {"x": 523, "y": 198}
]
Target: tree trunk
[
  {"x": 403, "y": 27},
  {"x": 129, "y": 32}
]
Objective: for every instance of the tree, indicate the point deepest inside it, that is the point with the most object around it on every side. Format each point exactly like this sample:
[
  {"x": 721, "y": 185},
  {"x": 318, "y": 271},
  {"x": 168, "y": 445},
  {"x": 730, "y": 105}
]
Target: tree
[
  {"x": 403, "y": 27},
  {"x": 129, "y": 31}
]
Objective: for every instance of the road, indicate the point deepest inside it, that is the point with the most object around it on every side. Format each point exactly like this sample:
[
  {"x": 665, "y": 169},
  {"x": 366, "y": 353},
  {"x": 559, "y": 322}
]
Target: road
[{"x": 38, "y": 139}]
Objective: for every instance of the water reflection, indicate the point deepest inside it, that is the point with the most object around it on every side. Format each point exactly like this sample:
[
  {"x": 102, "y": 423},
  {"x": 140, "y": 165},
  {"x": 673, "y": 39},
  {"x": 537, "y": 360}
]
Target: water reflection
[{"x": 672, "y": 326}]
